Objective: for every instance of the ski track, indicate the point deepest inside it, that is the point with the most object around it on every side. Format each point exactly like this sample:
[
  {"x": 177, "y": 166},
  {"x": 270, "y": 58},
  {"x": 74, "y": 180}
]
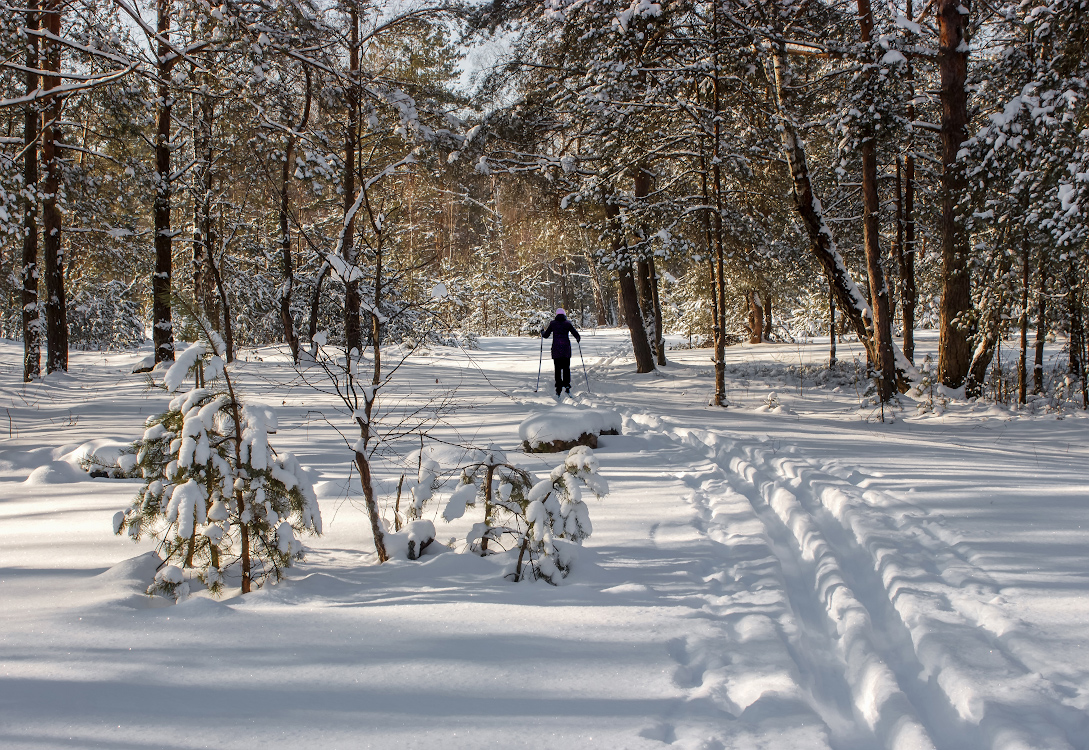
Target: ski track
[{"x": 881, "y": 621}]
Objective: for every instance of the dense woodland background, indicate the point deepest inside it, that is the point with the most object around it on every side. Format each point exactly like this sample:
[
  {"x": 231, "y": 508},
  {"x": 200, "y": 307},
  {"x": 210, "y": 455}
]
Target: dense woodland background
[{"x": 360, "y": 173}]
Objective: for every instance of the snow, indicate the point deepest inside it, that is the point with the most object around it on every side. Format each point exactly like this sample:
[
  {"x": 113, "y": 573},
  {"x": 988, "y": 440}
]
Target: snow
[
  {"x": 567, "y": 422},
  {"x": 812, "y": 578},
  {"x": 55, "y": 472},
  {"x": 183, "y": 363},
  {"x": 893, "y": 57}
]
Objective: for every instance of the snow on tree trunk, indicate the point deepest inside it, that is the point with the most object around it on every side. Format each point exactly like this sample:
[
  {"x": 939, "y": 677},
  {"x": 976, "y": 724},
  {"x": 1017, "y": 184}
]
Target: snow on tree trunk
[
  {"x": 822, "y": 242},
  {"x": 352, "y": 331},
  {"x": 32, "y": 368},
  {"x": 756, "y": 318},
  {"x": 162, "y": 324}
]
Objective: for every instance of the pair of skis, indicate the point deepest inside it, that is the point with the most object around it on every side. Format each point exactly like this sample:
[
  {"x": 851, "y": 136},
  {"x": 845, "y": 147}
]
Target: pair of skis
[{"x": 540, "y": 361}]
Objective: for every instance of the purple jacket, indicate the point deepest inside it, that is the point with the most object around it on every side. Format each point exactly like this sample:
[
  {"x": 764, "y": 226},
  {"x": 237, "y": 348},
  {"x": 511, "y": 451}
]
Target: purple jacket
[{"x": 561, "y": 344}]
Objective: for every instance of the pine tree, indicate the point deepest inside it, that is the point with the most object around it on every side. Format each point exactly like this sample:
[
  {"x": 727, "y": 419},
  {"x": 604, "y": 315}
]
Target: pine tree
[{"x": 216, "y": 495}]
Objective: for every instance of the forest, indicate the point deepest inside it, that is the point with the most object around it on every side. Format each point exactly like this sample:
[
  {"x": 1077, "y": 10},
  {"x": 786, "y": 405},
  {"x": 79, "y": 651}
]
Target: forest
[
  {"x": 282, "y": 464},
  {"x": 727, "y": 171}
]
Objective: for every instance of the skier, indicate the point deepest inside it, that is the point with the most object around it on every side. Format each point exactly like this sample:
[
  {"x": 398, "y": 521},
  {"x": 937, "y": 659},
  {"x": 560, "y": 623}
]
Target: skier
[{"x": 561, "y": 349}]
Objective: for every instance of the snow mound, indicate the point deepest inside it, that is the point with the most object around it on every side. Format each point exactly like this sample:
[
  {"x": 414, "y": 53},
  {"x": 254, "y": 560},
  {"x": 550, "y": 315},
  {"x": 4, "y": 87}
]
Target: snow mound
[
  {"x": 102, "y": 453},
  {"x": 140, "y": 569},
  {"x": 18, "y": 460},
  {"x": 55, "y": 472},
  {"x": 567, "y": 422},
  {"x": 144, "y": 364}
]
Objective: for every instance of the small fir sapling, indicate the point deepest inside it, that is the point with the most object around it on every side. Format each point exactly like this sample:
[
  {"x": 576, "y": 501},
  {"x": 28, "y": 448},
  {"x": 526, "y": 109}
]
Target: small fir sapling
[
  {"x": 542, "y": 520},
  {"x": 215, "y": 492},
  {"x": 557, "y": 512}
]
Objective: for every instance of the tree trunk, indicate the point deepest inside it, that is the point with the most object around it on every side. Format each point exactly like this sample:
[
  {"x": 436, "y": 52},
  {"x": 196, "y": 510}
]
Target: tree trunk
[
  {"x": 871, "y": 212},
  {"x": 831, "y": 326},
  {"x": 643, "y": 184},
  {"x": 629, "y": 296},
  {"x": 660, "y": 334},
  {"x": 204, "y": 241},
  {"x": 898, "y": 237},
  {"x": 908, "y": 294},
  {"x": 565, "y": 289},
  {"x": 315, "y": 301},
  {"x": 245, "y": 534},
  {"x": 352, "y": 330},
  {"x": 376, "y": 323},
  {"x": 366, "y": 480},
  {"x": 907, "y": 267},
  {"x": 756, "y": 318},
  {"x": 1076, "y": 366},
  {"x": 162, "y": 325},
  {"x": 954, "y": 346},
  {"x": 56, "y": 323},
  {"x": 718, "y": 270},
  {"x": 1041, "y": 328},
  {"x": 989, "y": 332},
  {"x": 32, "y": 369},
  {"x": 225, "y": 306},
  {"x": 822, "y": 243},
  {"x": 769, "y": 323},
  {"x": 1022, "y": 362},
  {"x": 715, "y": 253},
  {"x": 287, "y": 320},
  {"x": 646, "y": 303}
]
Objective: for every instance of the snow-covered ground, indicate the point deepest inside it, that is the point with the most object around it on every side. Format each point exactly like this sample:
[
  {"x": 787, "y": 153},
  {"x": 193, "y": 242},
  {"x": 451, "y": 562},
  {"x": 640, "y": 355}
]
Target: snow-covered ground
[{"x": 788, "y": 573}]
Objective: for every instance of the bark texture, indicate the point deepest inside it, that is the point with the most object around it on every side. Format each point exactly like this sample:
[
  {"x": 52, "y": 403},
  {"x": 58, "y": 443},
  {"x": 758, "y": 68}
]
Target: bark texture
[
  {"x": 56, "y": 307},
  {"x": 954, "y": 345},
  {"x": 32, "y": 368},
  {"x": 352, "y": 330},
  {"x": 629, "y": 296},
  {"x": 162, "y": 322},
  {"x": 871, "y": 212}
]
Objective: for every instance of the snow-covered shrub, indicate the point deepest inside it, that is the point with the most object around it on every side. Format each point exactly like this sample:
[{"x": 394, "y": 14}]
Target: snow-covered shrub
[
  {"x": 557, "y": 517},
  {"x": 216, "y": 494},
  {"x": 541, "y": 520},
  {"x": 413, "y": 493},
  {"x": 500, "y": 487}
]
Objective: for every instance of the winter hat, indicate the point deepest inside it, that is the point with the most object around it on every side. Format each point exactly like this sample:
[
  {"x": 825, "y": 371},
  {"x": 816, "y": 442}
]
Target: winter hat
[{"x": 559, "y": 311}]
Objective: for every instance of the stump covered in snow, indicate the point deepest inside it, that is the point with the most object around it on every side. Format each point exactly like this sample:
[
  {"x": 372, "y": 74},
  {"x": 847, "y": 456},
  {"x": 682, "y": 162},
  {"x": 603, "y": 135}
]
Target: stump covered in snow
[{"x": 563, "y": 427}]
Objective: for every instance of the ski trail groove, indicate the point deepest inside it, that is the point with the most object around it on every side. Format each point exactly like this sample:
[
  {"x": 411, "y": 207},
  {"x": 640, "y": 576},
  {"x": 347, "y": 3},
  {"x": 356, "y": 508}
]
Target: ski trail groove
[
  {"x": 929, "y": 657},
  {"x": 874, "y": 686},
  {"x": 961, "y": 639}
]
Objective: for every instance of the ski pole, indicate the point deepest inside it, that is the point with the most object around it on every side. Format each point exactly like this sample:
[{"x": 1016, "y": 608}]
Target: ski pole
[
  {"x": 583, "y": 366},
  {"x": 540, "y": 359}
]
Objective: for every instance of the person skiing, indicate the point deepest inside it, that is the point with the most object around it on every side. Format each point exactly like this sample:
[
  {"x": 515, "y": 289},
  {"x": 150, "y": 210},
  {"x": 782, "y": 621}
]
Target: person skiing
[{"x": 559, "y": 329}]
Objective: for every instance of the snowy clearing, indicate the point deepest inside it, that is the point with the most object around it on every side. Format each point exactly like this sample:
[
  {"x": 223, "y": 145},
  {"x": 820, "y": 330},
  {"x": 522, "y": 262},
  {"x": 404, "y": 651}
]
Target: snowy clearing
[{"x": 787, "y": 573}]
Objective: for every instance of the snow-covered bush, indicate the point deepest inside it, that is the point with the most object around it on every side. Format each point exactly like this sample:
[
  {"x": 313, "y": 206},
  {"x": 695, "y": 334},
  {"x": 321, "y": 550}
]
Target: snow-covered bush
[
  {"x": 216, "y": 494},
  {"x": 558, "y": 518},
  {"x": 541, "y": 520},
  {"x": 413, "y": 493}
]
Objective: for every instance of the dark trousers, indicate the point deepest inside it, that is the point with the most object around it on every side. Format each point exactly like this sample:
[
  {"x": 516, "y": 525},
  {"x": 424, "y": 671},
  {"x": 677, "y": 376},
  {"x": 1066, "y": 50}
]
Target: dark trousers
[{"x": 563, "y": 372}]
